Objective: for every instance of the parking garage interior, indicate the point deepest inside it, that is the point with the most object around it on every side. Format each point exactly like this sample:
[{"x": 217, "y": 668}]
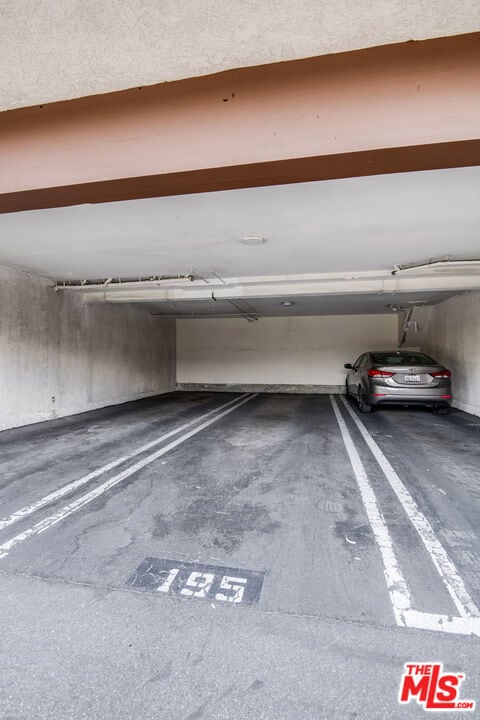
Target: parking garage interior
[
  {"x": 180, "y": 463},
  {"x": 237, "y": 305}
]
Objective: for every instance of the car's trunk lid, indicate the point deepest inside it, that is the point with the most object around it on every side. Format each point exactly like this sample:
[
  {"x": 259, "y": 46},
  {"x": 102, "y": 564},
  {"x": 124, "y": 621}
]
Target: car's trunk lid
[{"x": 411, "y": 375}]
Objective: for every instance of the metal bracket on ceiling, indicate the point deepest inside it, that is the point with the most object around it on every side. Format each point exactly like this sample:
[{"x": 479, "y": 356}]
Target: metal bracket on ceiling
[
  {"x": 248, "y": 316},
  {"x": 219, "y": 278},
  {"x": 210, "y": 272},
  {"x": 407, "y": 324},
  {"x": 196, "y": 275}
]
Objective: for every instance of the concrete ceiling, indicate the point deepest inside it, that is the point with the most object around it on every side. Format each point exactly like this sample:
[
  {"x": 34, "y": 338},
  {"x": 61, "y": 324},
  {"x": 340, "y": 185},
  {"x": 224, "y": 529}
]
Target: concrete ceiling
[
  {"x": 55, "y": 50},
  {"x": 364, "y": 225},
  {"x": 368, "y": 223},
  {"x": 351, "y": 304}
]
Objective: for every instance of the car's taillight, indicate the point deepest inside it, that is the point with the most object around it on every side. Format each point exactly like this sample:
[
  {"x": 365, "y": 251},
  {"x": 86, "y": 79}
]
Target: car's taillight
[
  {"x": 379, "y": 373},
  {"x": 441, "y": 374}
]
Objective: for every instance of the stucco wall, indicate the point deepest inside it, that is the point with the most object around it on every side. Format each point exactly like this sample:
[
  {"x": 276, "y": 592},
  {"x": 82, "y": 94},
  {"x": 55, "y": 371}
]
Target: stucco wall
[
  {"x": 59, "y": 356},
  {"x": 450, "y": 332},
  {"x": 55, "y": 50},
  {"x": 278, "y": 351}
]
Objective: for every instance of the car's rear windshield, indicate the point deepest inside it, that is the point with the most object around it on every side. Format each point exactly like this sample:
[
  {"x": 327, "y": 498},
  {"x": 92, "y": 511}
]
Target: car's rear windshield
[{"x": 402, "y": 359}]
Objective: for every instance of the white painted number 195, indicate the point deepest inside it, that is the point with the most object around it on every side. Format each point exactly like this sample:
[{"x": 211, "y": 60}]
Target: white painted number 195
[{"x": 198, "y": 585}]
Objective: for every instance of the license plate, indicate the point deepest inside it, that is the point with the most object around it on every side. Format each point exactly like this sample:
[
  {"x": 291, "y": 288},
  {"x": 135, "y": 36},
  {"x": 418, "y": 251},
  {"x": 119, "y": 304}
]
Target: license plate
[{"x": 413, "y": 378}]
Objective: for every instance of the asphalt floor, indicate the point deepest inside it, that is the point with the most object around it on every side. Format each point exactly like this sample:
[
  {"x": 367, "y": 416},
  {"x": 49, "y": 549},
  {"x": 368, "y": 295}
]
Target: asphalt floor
[{"x": 215, "y": 555}]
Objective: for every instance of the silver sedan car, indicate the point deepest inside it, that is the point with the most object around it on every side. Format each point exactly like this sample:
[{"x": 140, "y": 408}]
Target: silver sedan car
[{"x": 399, "y": 378}]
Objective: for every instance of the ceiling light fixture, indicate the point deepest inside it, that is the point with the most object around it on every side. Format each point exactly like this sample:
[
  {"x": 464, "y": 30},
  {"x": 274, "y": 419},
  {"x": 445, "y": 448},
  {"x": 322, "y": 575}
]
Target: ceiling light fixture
[
  {"x": 252, "y": 240},
  {"x": 287, "y": 303}
]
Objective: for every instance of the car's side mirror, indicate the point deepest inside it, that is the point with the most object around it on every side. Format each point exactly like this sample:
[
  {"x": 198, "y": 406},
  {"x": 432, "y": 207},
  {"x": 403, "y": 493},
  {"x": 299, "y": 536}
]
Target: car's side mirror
[{"x": 348, "y": 366}]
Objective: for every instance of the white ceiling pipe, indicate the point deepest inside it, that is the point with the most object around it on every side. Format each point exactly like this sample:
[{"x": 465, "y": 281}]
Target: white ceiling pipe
[
  {"x": 387, "y": 286},
  {"x": 216, "y": 282},
  {"x": 446, "y": 265},
  {"x": 106, "y": 285}
]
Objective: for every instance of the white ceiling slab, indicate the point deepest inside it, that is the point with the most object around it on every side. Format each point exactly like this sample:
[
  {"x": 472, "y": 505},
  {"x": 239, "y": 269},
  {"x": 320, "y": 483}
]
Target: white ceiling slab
[{"x": 369, "y": 223}]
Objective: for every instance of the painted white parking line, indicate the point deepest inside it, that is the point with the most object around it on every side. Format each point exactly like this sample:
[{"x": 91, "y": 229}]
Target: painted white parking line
[
  {"x": 445, "y": 567},
  {"x": 401, "y": 600},
  {"x": 75, "y": 484},
  {"x": 83, "y": 500},
  {"x": 442, "y": 623},
  {"x": 397, "y": 587}
]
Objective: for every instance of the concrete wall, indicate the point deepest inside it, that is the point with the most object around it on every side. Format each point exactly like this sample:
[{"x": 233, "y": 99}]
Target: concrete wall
[
  {"x": 57, "y": 50},
  {"x": 450, "y": 332},
  {"x": 297, "y": 351},
  {"x": 59, "y": 356}
]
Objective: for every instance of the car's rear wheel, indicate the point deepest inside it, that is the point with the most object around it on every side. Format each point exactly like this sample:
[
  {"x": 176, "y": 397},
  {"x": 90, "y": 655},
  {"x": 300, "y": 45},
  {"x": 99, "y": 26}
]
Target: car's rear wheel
[
  {"x": 363, "y": 406},
  {"x": 440, "y": 410}
]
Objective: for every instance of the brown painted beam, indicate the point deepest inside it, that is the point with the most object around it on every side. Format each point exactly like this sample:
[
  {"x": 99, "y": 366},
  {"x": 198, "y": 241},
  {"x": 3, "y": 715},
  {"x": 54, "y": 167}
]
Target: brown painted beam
[
  {"x": 373, "y": 162},
  {"x": 398, "y": 108}
]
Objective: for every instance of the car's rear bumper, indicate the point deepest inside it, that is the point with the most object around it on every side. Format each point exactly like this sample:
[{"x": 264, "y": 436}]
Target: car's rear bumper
[{"x": 433, "y": 397}]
